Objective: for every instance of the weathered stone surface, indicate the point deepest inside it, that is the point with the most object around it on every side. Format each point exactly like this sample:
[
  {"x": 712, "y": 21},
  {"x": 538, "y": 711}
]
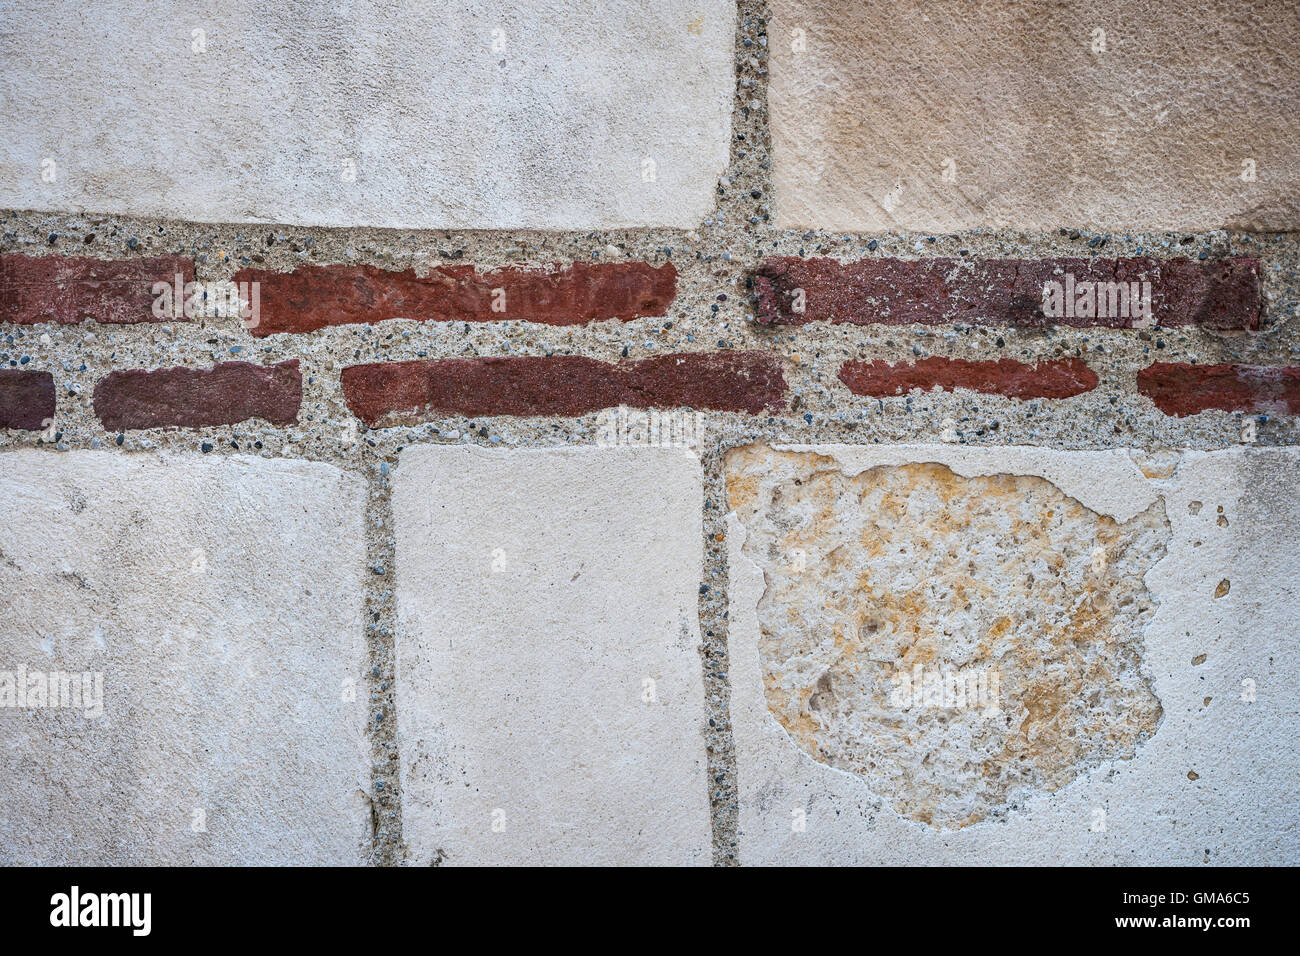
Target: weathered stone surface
[
  {"x": 220, "y": 600},
  {"x": 26, "y": 399},
  {"x": 942, "y": 117},
  {"x": 549, "y": 679},
  {"x": 913, "y": 566},
  {"x": 492, "y": 115},
  {"x": 390, "y": 393},
  {"x": 226, "y": 393},
  {"x": 1091, "y": 583},
  {"x": 314, "y": 297},
  {"x": 1059, "y": 378}
]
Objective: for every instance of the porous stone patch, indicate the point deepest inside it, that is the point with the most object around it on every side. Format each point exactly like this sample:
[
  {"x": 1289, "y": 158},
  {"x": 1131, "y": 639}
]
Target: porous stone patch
[
  {"x": 1221, "y": 667},
  {"x": 550, "y": 692},
  {"x": 957, "y": 642},
  {"x": 219, "y": 603}
]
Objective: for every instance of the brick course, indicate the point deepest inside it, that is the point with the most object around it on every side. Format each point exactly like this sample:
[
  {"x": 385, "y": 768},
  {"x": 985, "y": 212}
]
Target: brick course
[
  {"x": 26, "y": 399},
  {"x": 72, "y": 289},
  {"x": 224, "y": 394},
  {"x": 315, "y": 297},
  {"x": 1061, "y": 378},
  {"x": 1217, "y": 294},
  {"x": 393, "y": 392},
  {"x": 1182, "y": 389}
]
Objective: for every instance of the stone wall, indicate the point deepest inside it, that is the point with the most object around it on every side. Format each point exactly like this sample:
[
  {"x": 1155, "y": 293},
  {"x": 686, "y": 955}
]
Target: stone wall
[{"x": 569, "y": 432}]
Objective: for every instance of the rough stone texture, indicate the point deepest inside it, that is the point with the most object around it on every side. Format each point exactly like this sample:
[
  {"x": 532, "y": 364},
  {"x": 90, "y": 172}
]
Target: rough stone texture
[
  {"x": 911, "y": 565},
  {"x": 397, "y": 392},
  {"x": 1041, "y": 131},
  {"x": 1217, "y": 294},
  {"x": 71, "y": 289},
  {"x": 1134, "y": 718},
  {"x": 537, "y": 592},
  {"x": 443, "y": 130},
  {"x": 1061, "y": 378},
  {"x": 1179, "y": 388},
  {"x": 314, "y": 297},
  {"x": 26, "y": 399},
  {"x": 221, "y": 601},
  {"x": 225, "y": 394}
]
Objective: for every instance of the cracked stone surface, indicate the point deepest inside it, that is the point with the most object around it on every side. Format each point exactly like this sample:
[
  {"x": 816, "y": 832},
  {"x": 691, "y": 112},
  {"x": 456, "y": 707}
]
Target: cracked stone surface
[
  {"x": 911, "y": 571},
  {"x": 487, "y": 115}
]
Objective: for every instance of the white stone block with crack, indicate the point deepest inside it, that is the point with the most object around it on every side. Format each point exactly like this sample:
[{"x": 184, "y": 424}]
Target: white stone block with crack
[
  {"x": 486, "y": 115},
  {"x": 219, "y": 600}
]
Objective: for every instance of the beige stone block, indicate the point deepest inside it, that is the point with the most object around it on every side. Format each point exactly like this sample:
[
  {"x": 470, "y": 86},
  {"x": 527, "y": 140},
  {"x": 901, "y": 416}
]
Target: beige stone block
[{"x": 938, "y": 117}]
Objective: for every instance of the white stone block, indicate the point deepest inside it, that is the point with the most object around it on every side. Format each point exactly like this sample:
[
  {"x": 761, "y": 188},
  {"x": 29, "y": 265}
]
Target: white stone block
[
  {"x": 550, "y": 691},
  {"x": 543, "y": 114},
  {"x": 217, "y": 601}
]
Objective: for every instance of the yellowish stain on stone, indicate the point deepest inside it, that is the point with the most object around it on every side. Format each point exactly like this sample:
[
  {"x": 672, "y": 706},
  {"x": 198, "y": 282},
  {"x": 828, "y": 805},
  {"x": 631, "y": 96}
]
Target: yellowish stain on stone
[{"x": 872, "y": 576}]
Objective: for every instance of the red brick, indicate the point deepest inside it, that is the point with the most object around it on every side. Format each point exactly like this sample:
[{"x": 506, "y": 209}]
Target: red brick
[
  {"x": 313, "y": 297},
  {"x": 1217, "y": 294},
  {"x": 69, "y": 290},
  {"x": 193, "y": 397},
  {"x": 1059, "y": 378},
  {"x": 26, "y": 399},
  {"x": 1181, "y": 389},
  {"x": 564, "y": 386}
]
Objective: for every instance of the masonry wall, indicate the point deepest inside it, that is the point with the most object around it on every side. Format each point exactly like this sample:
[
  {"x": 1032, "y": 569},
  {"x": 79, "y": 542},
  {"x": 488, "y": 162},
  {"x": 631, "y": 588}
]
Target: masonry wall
[{"x": 572, "y": 432}]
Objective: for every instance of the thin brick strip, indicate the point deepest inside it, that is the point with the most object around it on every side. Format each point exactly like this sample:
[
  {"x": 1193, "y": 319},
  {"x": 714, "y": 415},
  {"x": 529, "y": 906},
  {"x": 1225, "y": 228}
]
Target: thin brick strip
[
  {"x": 68, "y": 290},
  {"x": 1214, "y": 294},
  {"x": 1060, "y": 378},
  {"x": 26, "y": 399},
  {"x": 314, "y": 297},
  {"x": 1182, "y": 389},
  {"x": 224, "y": 394},
  {"x": 564, "y": 386}
]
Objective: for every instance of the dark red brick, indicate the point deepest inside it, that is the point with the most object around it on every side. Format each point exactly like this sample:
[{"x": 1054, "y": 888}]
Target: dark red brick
[
  {"x": 565, "y": 386},
  {"x": 1216, "y": 294},
  {"x": 68, "y": 290},
  {"x": 313, "y": 297},
  {"x": 193, "y": 397},
  {"x": 1059, "y": 378},
  {"x": 26, "y": 399},
  {"x": 1181, "y": 389}
]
